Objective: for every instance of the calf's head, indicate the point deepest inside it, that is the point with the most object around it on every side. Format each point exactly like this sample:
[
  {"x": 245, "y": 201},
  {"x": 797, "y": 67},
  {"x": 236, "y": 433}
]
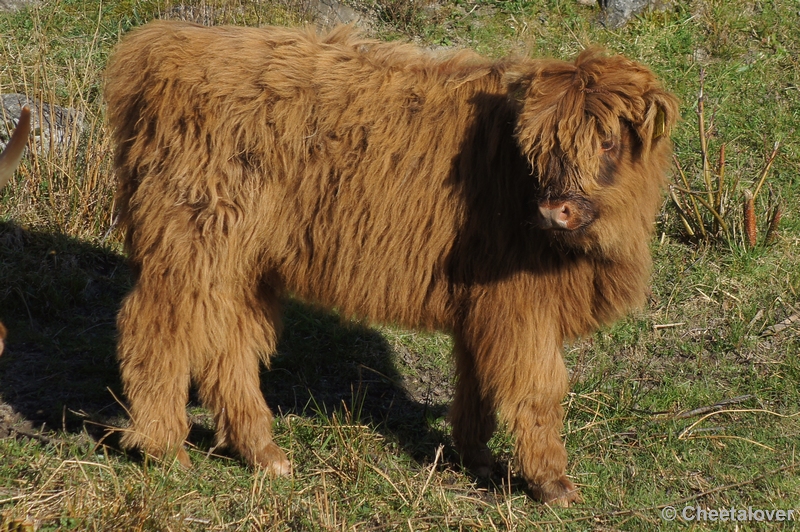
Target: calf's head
[
  {"x": 596, "y": 134},
  {"x": 9, "y": 160}
]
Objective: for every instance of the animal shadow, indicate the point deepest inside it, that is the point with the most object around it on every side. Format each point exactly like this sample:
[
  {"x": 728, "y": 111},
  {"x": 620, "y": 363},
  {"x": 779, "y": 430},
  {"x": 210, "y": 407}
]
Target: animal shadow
[
  {"x": 326, "y": 364},
  {"x": 59, "y": 297}
]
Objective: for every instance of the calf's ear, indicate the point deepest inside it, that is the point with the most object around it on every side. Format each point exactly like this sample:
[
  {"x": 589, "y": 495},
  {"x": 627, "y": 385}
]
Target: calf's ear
[{"x": 659, "y": 119}]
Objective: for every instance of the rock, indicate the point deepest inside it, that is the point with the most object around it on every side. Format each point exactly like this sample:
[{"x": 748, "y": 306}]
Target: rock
[
  {"x": 616, "y": 13},
  {"x": 53, "y": 126},
  {"x": 329, "y": 13},
  {"x": 13, "y": 5},
  {"x": 324, "y": 13},
  {"x": 202, "y": 14}
]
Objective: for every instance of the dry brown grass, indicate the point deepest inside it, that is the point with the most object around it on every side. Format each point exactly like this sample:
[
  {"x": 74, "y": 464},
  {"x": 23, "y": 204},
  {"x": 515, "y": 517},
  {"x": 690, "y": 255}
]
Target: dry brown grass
[{"x": 720, "y": 326}]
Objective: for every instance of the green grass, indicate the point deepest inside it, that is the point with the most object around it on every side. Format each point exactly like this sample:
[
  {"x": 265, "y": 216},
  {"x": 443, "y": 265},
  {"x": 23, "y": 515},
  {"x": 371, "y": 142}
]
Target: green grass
[{"x": 362, "y": 409}]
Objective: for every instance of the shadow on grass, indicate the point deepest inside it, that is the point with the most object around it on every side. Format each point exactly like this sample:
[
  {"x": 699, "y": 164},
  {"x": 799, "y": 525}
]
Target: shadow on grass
[
  {"x": 326, "y": 364},
  {"x": 59, "y": 297}
]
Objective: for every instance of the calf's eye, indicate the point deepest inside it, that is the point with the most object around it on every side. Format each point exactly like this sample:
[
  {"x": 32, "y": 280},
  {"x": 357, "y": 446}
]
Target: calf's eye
[{"x": 607, "y": 145}]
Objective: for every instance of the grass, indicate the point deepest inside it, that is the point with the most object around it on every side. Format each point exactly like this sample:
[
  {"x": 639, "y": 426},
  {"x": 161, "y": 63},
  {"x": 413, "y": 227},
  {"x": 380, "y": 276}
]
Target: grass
[{"x": 693, "y": 400}]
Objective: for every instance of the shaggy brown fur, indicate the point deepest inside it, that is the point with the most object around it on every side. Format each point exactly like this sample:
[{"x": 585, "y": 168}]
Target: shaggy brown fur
[
  {"x": 9, "y": 160},
  {"x": 508, "y": 202}
]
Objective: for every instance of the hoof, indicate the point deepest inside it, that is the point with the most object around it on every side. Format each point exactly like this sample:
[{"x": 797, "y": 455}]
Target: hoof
[
  {"x": 170, "y": 456},
  {"x": 559, "y": 492},
  {"x": 183, "y": 458},
  {"x": 271, "y": 458},
  {"x": 478, "y": 461},
  {"x": 146, "y": 445}
]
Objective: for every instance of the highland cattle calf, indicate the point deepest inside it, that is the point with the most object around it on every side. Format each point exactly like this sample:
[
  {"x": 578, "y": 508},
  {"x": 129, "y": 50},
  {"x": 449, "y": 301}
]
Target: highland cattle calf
[
  {"x": 9, "y": 159},
  {"x": 507, "y": 202}
]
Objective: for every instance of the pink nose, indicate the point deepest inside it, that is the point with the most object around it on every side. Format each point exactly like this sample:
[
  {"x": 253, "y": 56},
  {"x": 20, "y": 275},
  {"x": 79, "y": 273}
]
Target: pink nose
[{"x": 557, "y": 216}]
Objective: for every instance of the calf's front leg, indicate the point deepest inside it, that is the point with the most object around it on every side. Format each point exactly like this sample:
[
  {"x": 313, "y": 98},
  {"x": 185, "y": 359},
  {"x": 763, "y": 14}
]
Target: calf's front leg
[{"x": 523, "y": 375}]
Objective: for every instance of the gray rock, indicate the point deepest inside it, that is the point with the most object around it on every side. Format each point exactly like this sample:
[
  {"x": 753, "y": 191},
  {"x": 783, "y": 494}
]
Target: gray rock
[
  {"x": 53, "y": 127},
  {"x": 616, "y": 13},
  {"x": 13, "y": 5},
  {"x": 323, "y": 13},
  {"x": 202, "y": 14},
  {"x": 329, "y": 13}
]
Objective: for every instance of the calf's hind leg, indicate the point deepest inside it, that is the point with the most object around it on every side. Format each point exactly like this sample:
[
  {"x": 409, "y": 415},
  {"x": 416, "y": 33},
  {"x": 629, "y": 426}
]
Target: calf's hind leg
[
  {"x": 154, "y": 350},
  {"x": 229, "y": 381}
]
